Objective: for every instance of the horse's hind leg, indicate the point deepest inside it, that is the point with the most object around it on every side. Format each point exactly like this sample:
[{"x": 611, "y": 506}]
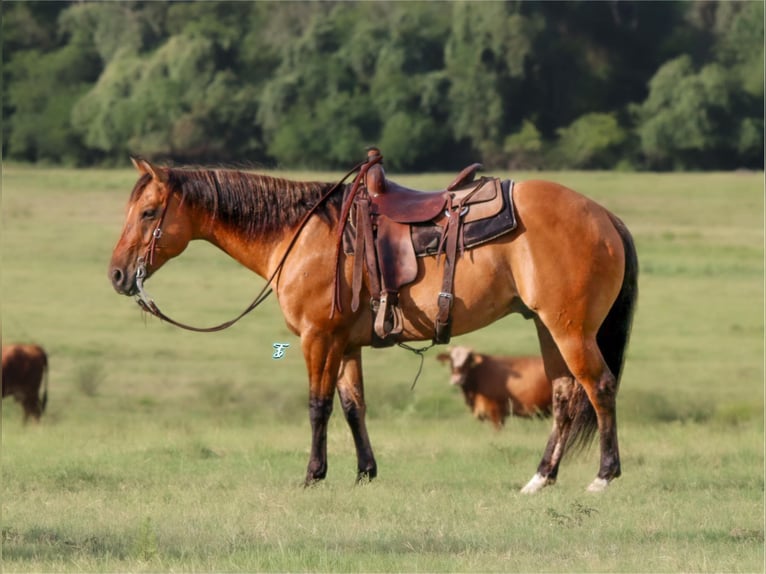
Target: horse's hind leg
[
  {"x": 563, "y": 385},
  {"x": 351, "y": 393},
  {"x": 590, "y": 369}
]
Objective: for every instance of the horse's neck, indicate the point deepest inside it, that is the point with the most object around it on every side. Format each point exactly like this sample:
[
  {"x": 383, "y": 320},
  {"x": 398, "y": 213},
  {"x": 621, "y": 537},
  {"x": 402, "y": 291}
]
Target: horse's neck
[
  {"x": 261, "y": 254},
  {"x": 261, "y": 250}
]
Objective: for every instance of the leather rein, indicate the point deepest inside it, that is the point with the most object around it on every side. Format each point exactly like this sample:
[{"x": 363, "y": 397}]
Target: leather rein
[{"x": 147, "y": 303}]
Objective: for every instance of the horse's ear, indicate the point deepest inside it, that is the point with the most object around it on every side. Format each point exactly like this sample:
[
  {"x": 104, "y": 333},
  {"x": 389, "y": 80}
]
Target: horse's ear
[
  {"x": 144, "y": 166},
  {"x": 443, "y": 357}
]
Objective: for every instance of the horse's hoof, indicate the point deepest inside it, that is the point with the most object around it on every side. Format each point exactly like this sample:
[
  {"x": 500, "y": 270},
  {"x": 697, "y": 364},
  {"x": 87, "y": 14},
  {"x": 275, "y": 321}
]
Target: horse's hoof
[
  {"x": 598, "y": 485},
  {"x": 538, "y": 482},
  {"x": 312, "y": 481}
]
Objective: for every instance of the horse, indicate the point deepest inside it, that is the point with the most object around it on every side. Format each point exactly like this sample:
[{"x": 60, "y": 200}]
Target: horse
[{"x": 570, "y": 266}]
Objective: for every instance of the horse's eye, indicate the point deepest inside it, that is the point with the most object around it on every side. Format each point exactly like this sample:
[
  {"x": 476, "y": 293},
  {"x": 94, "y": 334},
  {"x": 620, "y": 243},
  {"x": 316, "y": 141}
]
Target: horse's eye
[{"x": 149, "y": 214}]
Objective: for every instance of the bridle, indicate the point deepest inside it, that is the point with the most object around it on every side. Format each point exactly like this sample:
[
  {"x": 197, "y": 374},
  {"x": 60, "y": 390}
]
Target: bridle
[
  {"x": 147, "y": 303},
  {"x": 148, "y": 256}
]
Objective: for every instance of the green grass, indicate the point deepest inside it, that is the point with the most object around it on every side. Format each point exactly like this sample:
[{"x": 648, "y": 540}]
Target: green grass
[{"x": 167, "y": 451}]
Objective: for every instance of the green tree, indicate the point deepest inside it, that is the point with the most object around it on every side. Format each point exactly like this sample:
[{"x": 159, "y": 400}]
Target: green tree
[
  {"x": 486, "y": 57},
  {"x": 435, "y": 84},
  {"x": 740, "y": 49},
  {"x": 694, "y": 119},
  {"x": 173, "y": 89},
  {"x": 312, "y": 111},
  {"x": 174, "y": 102},
  {"x": 41, "y": 87},
  {"x": 409, "y": 86},
  {"x": 592, "y": 141},
  {"x": 524, "y": 148}
]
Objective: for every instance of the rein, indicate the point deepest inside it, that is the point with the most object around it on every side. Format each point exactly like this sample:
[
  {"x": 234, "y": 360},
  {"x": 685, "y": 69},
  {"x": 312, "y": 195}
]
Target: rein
[{"x": 147, "y": 303}]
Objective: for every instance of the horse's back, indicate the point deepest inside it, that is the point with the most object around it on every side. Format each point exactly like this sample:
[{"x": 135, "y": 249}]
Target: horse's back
[{"x": 550, "y": 206}]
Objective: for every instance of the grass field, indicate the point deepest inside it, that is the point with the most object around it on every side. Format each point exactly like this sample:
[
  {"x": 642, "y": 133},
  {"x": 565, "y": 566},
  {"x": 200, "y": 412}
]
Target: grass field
[{"x": 168, "y": 451}]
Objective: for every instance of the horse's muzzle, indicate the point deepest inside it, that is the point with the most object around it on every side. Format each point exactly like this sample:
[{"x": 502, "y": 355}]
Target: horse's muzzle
[{"x": 123, "y": 281}]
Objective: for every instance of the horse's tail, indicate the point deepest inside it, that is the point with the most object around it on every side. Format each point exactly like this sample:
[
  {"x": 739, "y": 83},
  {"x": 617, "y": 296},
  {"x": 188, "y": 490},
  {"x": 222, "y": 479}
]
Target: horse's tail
[{"x": 612, "y": 339}]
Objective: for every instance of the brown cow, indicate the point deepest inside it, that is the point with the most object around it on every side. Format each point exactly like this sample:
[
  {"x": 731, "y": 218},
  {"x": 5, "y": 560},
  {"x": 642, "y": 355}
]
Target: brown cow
[
  {"x": 25, "y": 370},
  {"x": 494, "y": 385}
]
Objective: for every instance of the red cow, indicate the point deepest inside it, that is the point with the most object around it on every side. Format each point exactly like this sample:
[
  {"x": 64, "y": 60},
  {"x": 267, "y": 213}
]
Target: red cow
[
  {"x": 496, "y": 386},
  {"x": 25, "y": 370}
]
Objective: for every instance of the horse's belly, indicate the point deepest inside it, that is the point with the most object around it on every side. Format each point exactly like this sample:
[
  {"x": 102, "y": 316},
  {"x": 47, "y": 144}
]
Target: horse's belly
[{"x": 483, "y": 292}]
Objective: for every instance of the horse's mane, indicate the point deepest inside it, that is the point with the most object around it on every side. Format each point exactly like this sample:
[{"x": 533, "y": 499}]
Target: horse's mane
[{"x": 253, "y": 203}]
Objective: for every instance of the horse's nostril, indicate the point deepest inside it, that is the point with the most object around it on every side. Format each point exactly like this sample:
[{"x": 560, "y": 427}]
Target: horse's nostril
[{"x": 117, "y": 276}]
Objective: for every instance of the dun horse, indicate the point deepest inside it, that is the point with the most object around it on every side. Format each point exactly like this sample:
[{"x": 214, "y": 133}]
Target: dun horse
[{"x": 570, "y": 266}]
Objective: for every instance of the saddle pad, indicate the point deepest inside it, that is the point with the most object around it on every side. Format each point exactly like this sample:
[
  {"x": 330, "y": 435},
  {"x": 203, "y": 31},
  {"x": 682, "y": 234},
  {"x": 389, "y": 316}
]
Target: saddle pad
[{"x": 427, "y": 236}]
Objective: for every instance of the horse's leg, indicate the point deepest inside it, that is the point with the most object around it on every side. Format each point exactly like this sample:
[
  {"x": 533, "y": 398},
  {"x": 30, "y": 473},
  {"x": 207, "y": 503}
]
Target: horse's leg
[
  {"x": 563, "y": 384},
  {"x": 351, "y": 393},
  {"x": 322, "y": 353},
  {"x": 589, "y": 368}
]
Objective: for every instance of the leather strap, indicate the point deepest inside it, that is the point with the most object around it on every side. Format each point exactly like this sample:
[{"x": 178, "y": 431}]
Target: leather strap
[
  {"x": 452, "y": 234},
  {"x": 370, "y": 258},
  {"x": 362, "y": 223},
  {"x": 348, "y": 202},
  {"x": 443, "y": 322}
]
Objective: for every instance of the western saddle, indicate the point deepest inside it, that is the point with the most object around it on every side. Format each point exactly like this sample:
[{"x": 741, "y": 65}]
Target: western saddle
[{"x": 387, "y": 226}]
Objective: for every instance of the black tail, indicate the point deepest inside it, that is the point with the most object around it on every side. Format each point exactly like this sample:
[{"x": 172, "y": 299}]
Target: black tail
[
  {"x": 614, "y": 334},
  {"x": 612, "y": 339}
]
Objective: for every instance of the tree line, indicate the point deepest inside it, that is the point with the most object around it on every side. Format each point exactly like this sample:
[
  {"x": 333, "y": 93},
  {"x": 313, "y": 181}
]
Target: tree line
[{"x": 519, "y": 85}]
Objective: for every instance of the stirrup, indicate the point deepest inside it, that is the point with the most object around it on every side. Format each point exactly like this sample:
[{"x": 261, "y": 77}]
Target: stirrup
[{"x": 389, "y": 319}]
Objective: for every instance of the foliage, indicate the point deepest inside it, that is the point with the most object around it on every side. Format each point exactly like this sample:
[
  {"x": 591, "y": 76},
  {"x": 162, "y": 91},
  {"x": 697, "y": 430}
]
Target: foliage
[
  {"x": 593, "y": 141},
  {"x": 688, "y": 117},
  {"x": 485, "y": 57},
  {"x": 41, "y": 87},
  {"x": 435, "y": 84},
  {"x": 524, "y": 147}
]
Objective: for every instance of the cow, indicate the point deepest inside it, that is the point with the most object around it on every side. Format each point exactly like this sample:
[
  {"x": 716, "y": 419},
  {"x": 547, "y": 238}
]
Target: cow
[
  {"x": 25, "y": 370},
  {"x": 494, "y": 387}
]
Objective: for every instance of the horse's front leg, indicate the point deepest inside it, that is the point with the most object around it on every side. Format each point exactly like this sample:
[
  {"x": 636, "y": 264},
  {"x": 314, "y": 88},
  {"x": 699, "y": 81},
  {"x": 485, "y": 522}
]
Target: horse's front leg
[
  {"x": 323, "y": 353},
  {"x": 351, "y": 393}
]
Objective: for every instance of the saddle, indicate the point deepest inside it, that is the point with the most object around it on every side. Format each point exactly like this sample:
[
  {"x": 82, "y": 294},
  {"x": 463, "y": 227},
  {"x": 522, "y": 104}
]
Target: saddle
[{"x": 387, "y": 226}]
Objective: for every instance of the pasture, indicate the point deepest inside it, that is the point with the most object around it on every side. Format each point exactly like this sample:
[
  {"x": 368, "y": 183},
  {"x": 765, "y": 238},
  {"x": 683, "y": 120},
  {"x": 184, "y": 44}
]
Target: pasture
[{"x": 167, "y": 451}]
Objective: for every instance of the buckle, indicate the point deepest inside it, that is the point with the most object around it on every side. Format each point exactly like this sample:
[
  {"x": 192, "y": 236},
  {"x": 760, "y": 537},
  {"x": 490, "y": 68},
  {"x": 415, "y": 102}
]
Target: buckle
[{"x": 461, "y": 214}]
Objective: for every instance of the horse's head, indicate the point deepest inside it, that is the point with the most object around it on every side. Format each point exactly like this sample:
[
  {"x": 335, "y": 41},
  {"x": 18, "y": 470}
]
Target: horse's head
[{"x": 156, "y": 229}]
